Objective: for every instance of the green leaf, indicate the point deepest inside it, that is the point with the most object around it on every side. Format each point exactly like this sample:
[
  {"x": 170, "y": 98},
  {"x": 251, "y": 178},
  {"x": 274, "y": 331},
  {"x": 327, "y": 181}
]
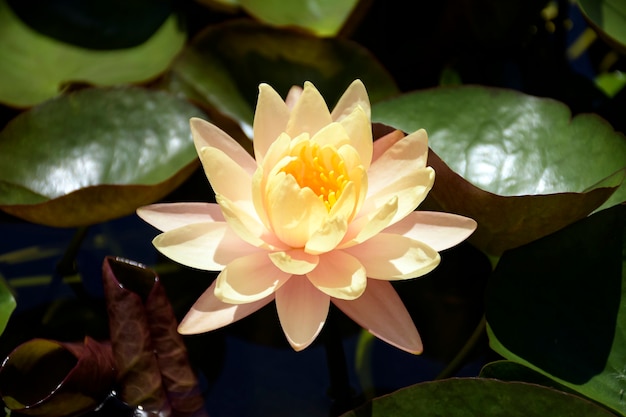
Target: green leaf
[
  {"x": 7, "y": 304},
  {"x": 558, "y": 306},
  {"x": 95, "y": 155},
  {"x": 322, "y": 17},
  {"x": 475, "y": 397},
  {"x": 225, "y": 64},
  {"x": 34, "y": 68},
  {"x": 608, "y": 19},
  {"x": 519, "y": 165}
]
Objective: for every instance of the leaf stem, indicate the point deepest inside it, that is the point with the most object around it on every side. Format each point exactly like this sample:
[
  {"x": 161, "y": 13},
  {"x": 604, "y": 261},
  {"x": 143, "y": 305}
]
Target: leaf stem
[{"x": 459, "y": 359}]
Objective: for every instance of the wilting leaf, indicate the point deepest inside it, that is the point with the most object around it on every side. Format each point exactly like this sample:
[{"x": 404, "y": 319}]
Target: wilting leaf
[
  {"x": 153, "y": 367},
  {"x": 49, "y": 378},
  {"x": 94, "y": 155},
  {"x": 476, "y": 397},
  {"x": 225, "y": 64},
  {"x": 519, "y": 165},
  {"x": 34, "y": 68},
  {"x": 558, "y": 306}
]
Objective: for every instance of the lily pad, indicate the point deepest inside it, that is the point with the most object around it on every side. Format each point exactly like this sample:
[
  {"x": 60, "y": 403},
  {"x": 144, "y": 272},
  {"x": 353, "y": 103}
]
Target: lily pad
[
  {"x": 224, "y": 65},
  {"x": 95, "y": 155},
  {"x": 558, "y": 306},
  {"x": 478, "y": 397},
  {"x": 321, "y": 17},
  {"x": 608, "y": 19},
  {"x": 521, "y": 166},
  {"x": 7, "y": 304},
  {"x": 34, "y": 68}
]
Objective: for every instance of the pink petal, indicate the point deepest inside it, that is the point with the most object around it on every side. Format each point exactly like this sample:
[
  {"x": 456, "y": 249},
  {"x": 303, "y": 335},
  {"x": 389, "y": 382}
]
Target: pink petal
[
  {"x": 270, "y": 120},
  {"x": 438, "y": 230},
  {"x": 206, "y": 246},
  {"x": 381, "y": 311},
  {"x": 169, "y": 216},
  {"x": 385, "y": 142},
  {"x": 310, "y": 113},
  {"x": 389, "y": 257},
  {"x": 302, "y": 310},
  {"x": 249, "y": 278},
  {"x": 406, "y": 155},
  {"x": 210, "y": 313},
  {"x": 293, "y": 96},
  {"x": 339, "y": 275},
  {"x": 354, "y": 96},
  {"x": 206, "y": 134}
]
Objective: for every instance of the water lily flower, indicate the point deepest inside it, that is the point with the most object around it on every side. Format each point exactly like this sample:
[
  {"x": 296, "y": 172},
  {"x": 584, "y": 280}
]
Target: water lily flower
[{"x": 321, "y": 214}]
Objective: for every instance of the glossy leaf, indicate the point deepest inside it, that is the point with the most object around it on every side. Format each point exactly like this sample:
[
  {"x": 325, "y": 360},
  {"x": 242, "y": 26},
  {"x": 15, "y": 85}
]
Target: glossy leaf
[
  {"x": 475, "y": 397},
  {"x": 154, "y": 372},
  {"x": 321, "y": 17},
  {"x": 519, "y": 165},
  {"x": 7, "y": 304},
  {"x": 558, "y": 306},
  {"x": 94, "y": 155},
  {"x": 48, "y": 378},
  {"x": 34, "y": 68},
  {"x": 608, "y": 19},
  {"x": 225, "y": 64}
]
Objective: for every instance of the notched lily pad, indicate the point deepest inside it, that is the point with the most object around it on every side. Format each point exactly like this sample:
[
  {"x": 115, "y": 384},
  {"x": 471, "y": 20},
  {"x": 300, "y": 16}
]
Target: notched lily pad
[
  {"x": 224, "y": 65},
  {"x": 95, "y": 155},
  {"x": 519, "y": 165},
  {"x": 478, "y": 397},
  {"x": 34, "y": 68}
]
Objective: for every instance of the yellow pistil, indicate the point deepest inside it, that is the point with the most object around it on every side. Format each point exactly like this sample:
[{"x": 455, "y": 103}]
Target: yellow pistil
[{"x": 321, "y": 169}]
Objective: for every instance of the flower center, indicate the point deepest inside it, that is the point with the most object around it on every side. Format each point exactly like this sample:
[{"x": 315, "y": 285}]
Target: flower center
[{"x": 321, "y": 169}]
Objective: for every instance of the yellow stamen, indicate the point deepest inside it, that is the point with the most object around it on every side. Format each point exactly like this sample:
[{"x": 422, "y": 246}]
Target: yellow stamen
[{"x": 321, "y": 169}]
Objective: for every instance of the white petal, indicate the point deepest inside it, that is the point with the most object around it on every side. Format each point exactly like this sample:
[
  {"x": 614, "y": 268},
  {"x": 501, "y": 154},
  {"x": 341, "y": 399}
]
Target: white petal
[
  {"x": 354, "y": 96},
  {"x": 247, "y": 226},
  {"x": 210, "y": 313},
  {"x": 294, "y": 261},
  {"x": 359, "y": 129},
  {"x": 339, "y": 275},
  {"x": 381, "y": 311},
  {"x": 295, "y": 213},
  {"x": 169, "y": 216},
  {"x": 206, "y": 246},
  {"x": 310, "y": 113},
  {"x": 249, "y": 278},
  {"x": 391, "y": 257},
  {"x": 438, "y": 230},
  {"x": 302, "y": 310},
  {"x": 328, "y": 236},
  {"x": 206, "y": 134},
  {"x": 270, "y": 120},
  {"x": 226, "y": 176}
]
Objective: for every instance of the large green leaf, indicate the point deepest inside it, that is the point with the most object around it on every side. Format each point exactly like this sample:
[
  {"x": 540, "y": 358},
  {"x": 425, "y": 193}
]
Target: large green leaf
[
  {"x": 520, "y": 165},
  {"x": 95, "y": 155},
  {"x": 608, "y": 19},
  {"x": 34, "y": 67},
  {"x": 558, "y": 306},
  {"x": 7, "y": 304},
  {"x": 474, "y": 397},
  {"x": 225, "y": 64},
  {"x": 321, "y": 17}
]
